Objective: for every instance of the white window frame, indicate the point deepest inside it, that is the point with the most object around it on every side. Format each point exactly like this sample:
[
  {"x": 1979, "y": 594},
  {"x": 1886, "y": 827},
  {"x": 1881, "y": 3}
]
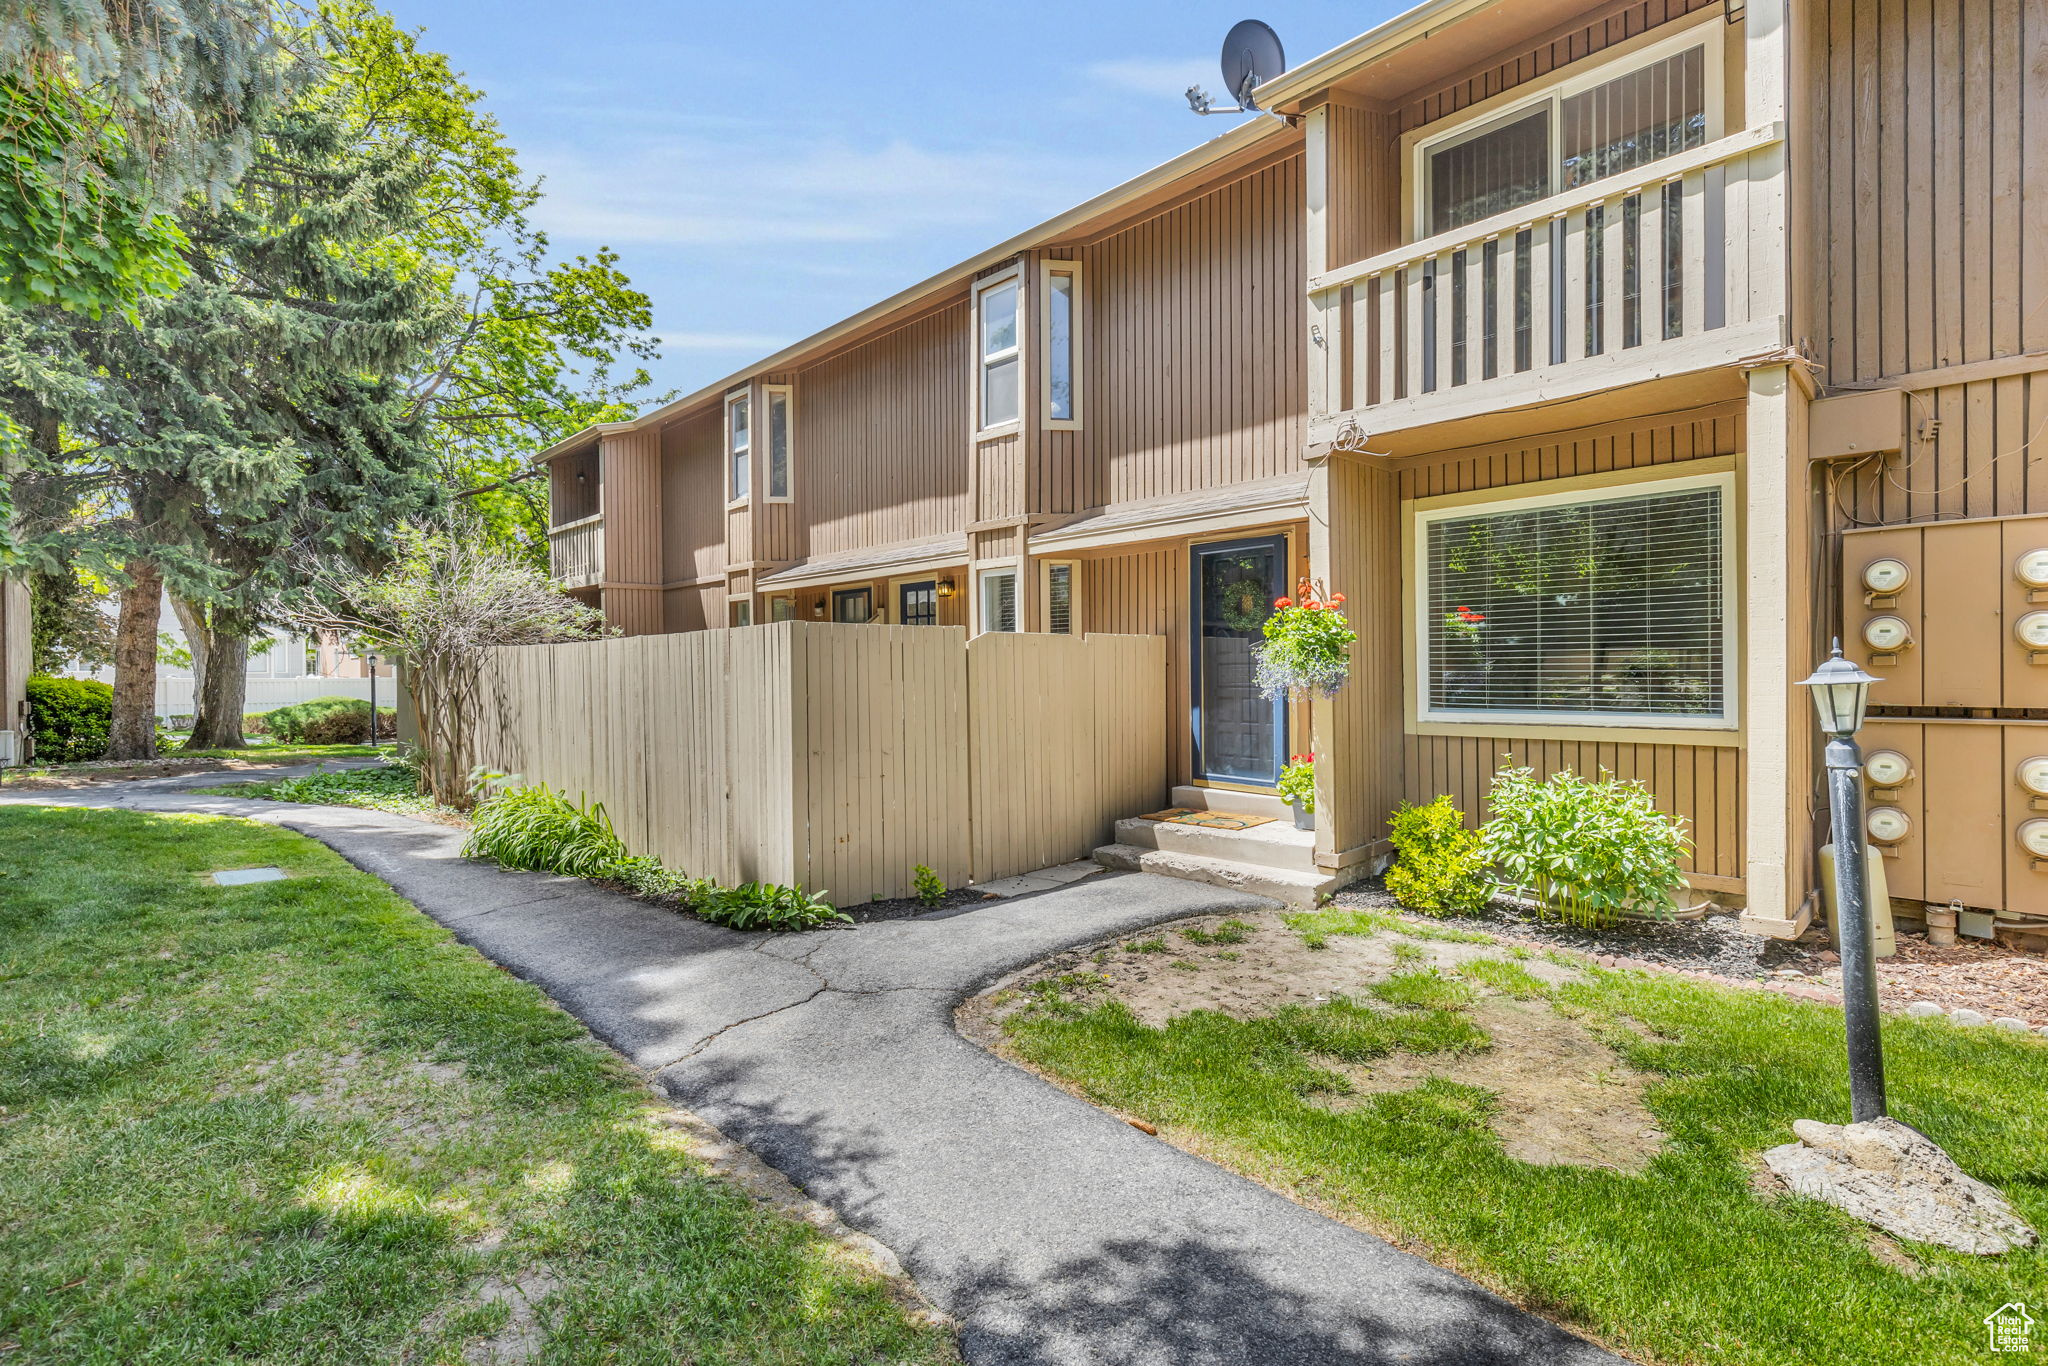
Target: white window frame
[
  {"x": 770, "y": 393},
  {"x": 1582, "y": 75},
  {"x": 740, "y": 612},
  {"x": 1073, "y": 568},
  {"x": 1073, "y": 270},
  {"x": 1013, "y": 277},
  {"x": 735, "y": 496},
  {"x": 981, "y": 581},
  {"x": 1453, "y": 509}
]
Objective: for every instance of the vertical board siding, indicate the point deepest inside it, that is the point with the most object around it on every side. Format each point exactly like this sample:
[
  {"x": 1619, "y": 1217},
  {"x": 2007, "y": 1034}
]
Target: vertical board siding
[
  {"x": 877, "y": 450},
  {"x": 693, "y": 497},
  {"x": 1703, "y": 784},
  {"x": 1928, "y": 184},
  {"x": 1195, "y": 360},
  {"x": 632, "y": 488},
  {"x": 840, "y": 757}
]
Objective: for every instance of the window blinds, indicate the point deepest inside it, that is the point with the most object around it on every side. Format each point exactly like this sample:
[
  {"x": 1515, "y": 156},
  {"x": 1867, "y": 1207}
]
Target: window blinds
[{"x": 1604, "y": 607}]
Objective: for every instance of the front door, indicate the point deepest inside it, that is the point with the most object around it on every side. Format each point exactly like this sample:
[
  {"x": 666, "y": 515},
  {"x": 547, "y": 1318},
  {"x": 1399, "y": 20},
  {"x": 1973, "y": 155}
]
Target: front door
[
  {"x": 853, "y": 605},
  {"x": 1240, "y": 736}
]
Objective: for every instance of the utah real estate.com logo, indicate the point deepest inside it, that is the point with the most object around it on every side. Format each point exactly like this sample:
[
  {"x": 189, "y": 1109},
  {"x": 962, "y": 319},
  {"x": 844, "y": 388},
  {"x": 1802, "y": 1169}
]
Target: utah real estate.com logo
[{"x": 2010, "y": 1326}]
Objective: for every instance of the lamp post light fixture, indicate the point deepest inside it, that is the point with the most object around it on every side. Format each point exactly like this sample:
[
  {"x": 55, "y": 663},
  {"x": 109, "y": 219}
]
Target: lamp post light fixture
[
  {"x": 373, "y": 700},
  {"x": 1841, "y": 691}
]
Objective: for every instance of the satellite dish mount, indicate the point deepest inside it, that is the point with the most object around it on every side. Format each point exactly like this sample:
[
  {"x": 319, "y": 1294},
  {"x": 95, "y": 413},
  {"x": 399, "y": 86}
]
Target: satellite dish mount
[{"x": 1251, "y": 56}]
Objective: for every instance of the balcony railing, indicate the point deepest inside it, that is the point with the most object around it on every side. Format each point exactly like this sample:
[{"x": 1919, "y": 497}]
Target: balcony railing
[
  {"x": 1652, "y": 265},
  {"x": 576, "y": 552}
]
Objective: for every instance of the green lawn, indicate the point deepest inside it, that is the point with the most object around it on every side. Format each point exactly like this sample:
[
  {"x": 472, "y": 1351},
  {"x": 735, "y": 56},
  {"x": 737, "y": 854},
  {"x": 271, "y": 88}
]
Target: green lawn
[
  {"x": 260, "y": 751},
  {"x": 1680, "y": 1262},
  {"x": 296, "y": 1122}
]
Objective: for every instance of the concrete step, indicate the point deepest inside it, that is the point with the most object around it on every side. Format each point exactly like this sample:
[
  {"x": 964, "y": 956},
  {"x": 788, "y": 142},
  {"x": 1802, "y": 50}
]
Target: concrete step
[
  {"x": 1238, "y": 803},
  {"x": 1295, "y": 890},
  {"x": 1275, "y": 844}
]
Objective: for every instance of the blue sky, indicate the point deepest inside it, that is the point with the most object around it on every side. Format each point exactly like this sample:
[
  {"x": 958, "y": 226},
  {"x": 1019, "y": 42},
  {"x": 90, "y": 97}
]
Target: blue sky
[{"x": 765, "y": 170}]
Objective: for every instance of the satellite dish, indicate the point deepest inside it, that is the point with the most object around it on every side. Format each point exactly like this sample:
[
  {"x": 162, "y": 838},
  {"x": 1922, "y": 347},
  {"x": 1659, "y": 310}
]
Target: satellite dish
[{"x": 1251, "y": 57}]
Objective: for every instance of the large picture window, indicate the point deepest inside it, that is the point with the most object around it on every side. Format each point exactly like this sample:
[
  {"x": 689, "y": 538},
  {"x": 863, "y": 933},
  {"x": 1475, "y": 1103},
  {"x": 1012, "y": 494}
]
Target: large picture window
[
  {"x": 1596, "y": 606},
  {"x": 739, "y": 447},
  {"x": 777, "y": 397}
]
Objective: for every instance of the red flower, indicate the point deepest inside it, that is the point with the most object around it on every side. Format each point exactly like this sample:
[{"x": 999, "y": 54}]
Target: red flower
[
  {"x": 1313, "y": 605},
  {"x": 1336, "y": 599},
  {"x": 1466, "y": 614},
  {"x": 1283, "y": 602}
]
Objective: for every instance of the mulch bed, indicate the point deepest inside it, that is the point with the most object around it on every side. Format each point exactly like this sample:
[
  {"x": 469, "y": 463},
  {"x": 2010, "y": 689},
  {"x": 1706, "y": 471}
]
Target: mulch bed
[
  {"x": 90, "y": 771},
  {"x": 1971, "y": 975},
  {"x": 907, "y": 907}
]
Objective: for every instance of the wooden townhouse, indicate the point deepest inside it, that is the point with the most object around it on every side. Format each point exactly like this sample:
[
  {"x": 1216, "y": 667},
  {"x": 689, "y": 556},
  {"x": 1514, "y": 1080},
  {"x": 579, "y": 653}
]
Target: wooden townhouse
[{"x": 1611, "y": 360}]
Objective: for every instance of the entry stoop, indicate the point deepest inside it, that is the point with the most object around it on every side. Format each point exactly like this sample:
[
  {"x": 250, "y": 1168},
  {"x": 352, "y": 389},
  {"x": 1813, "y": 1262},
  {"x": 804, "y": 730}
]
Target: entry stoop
[{"x": 1274, "y": 859}]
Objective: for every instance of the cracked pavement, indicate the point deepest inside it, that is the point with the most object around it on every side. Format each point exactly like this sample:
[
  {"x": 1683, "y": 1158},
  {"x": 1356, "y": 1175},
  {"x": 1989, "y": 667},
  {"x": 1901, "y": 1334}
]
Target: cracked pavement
[{"x": 1055, "y": 1233}]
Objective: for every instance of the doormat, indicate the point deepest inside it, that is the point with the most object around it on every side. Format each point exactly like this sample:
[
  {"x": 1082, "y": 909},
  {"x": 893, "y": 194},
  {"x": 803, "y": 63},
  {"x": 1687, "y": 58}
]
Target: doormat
[{"x": 1208, "y": 820}]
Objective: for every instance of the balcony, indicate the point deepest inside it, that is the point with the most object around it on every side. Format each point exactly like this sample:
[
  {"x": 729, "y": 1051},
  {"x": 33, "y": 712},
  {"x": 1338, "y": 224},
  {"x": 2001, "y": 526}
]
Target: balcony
[
  {"x": 1634, "y": 279},
  {"x": 576, "y": 552}
]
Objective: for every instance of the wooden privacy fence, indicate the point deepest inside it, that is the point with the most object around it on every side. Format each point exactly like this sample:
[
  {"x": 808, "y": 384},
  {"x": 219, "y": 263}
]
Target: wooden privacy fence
[{"x": 838, "y": 756}]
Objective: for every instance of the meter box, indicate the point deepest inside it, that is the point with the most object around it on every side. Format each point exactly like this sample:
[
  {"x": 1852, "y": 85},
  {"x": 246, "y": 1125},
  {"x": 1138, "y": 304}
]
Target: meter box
[
  {"x": 1959, "y": 810},
  {"x": 1950, "y": 614}
]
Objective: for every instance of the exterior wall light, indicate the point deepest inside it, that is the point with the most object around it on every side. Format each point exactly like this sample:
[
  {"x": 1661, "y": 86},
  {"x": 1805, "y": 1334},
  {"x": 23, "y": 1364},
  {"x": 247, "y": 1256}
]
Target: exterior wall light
[{"x": 945, "y": 588}]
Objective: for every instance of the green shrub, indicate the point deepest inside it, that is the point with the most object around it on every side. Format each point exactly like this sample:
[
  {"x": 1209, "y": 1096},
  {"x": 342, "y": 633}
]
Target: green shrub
[
  {"x": 255, "y": 723},
  {"x": 328, "y": 721},
  {"x": 68, "y": 718},
  {"x": 930, "y": 889},
  {"x": 540, "y": 830},
  {"x": 767, "y": 906},
  {"x": 1590, "y": 851},
  {"x": 1439, "y": 868}
]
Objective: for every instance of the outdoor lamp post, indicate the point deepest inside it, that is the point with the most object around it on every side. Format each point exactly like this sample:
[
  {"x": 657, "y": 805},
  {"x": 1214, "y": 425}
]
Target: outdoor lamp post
[
  {"x": 373, "y": 701},
  {"x": 1840, "y": 692}
]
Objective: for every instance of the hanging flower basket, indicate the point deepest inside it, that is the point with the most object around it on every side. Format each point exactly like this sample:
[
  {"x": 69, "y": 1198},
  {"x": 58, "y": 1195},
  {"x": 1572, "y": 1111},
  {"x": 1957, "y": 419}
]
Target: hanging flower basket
[{"x": 1308, "y": 644}]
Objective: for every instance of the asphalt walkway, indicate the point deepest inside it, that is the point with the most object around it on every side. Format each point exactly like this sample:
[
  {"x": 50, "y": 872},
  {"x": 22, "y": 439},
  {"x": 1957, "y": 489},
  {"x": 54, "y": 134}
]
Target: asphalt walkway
[{"x": 1056, "y": 1233}]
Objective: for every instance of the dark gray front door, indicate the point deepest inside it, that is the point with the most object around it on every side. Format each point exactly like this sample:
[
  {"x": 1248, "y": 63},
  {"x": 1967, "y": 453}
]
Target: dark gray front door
[{"x": 1240, "y": 736}]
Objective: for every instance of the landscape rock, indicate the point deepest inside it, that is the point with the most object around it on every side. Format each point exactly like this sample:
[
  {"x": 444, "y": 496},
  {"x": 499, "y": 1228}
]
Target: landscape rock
[
  {"x": 1970, "y": 1017},
  {"x": 1892, "y": 1175},
  {"x": 1924, "y": 1010},
  {"x": 2012, "y": 1022}
]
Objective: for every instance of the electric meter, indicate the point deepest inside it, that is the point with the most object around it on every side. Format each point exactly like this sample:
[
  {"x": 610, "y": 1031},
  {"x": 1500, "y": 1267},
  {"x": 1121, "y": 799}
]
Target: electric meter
[
  {"x": 2032, "y": 630},
  {"x": 1887, "y": 634},
  {"x": 2033, "y": 837},
  {"x": 1889, "y": 768},
  {"x": 1888, "y": 576},
  {"x": 2031, "y": 568},
  {"x": 1888, "y": 824},
  {"x": 2033, "y": 774}
]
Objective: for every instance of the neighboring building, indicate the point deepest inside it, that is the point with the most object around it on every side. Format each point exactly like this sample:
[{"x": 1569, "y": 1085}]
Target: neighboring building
[{"x": 1609, "y": 361}]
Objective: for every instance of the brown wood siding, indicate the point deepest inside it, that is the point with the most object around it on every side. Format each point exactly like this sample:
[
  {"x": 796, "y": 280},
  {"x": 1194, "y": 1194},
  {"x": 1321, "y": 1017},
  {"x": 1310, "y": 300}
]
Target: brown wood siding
[
  {"x": 1702, "y": 783},
  {"x": 998, "y": 480},
  {"x": 633, "y": 527},
  {"x": 879, "y": 448},
  {"x": 1364, "y": 216},
  {"x": 1195, "y": 373},
  {"x": 693, "y": 498},
  {"x": 1927, "y": 142}
]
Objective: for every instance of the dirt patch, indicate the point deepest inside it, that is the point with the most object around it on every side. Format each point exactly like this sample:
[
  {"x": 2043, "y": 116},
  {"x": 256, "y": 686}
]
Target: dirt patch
[
  {"x": 1987, "y": 977},
  {"x": 94, "y": 771},
  {"x": 1561, "y": 1097},
  {"x": 520, "y": 1337}
]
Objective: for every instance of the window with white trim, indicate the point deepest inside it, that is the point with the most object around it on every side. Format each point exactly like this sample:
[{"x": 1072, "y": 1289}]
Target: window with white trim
[
  {"x": 999, "y": 599},
  {"x": 778, "y": 398},
  {"x": 1059, "y": 580},
  {"x": 739, "y": 446},
  {"x": 743, "y": 612},
  {"x": 1595, "y": 606},
  {"x": 1061, "y": 304},
  {"x": 1000, "y": 364},
  {"x": 1612, "y": 118}
]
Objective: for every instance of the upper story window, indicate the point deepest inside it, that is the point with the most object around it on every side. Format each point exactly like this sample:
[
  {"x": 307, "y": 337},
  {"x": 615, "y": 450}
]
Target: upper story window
[
  {"x": 1615, "y": 117},
  {"x": 1591, "y": 606},
  {"x": 1001, "y": 371},
  {"x": 1062, "y": 307},
  {"x": 777, "y": 397},
  {"x": 739, "y": 446}
]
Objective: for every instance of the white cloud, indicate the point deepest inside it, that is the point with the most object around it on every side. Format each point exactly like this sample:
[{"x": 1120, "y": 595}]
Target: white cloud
[
  {"x": 1167, "y": 77},
  {"x": 793, "y": 185}
]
